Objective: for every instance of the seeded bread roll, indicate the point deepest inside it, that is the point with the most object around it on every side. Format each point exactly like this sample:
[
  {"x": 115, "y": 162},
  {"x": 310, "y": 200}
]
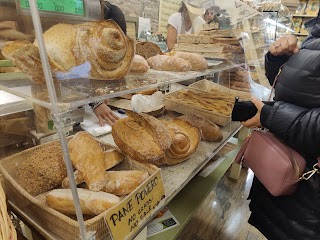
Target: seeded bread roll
[
  {"x": 147, "y": 49},
  {"x": 92, "y": 203}
]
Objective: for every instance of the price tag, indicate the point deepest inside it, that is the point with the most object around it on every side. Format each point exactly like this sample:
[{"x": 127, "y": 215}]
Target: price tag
[
  {"x": 75, "y": 7},
  {"x": 124, "y": 219}
]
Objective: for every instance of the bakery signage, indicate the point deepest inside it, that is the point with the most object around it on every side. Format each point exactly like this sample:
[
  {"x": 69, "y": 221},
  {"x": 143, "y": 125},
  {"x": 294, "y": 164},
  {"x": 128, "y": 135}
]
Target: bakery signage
[{"x": 125, "y": 218}]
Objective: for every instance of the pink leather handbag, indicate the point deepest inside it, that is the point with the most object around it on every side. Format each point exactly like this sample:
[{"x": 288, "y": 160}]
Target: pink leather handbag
[{"x": 278, "y": 167}]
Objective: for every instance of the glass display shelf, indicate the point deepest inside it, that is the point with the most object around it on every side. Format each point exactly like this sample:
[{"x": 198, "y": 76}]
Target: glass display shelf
[{"x": 75, "y": 93}]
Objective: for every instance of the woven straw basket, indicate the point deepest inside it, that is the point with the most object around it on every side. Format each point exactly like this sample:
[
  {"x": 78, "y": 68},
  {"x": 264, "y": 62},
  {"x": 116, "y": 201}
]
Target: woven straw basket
[
  {"x": 7, "y": 230},
  {"x": 52, "y": 221}
]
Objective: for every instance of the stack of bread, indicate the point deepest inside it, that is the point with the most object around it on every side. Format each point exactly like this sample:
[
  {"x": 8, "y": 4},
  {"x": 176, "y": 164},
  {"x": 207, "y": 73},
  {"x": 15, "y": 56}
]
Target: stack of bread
[
  {"x": 236, "y": 79},
  {"x": 44, "y": 172},
  {"x": 162, "y": 142},
  {"x": 223, "y": 44},
  {"x": 103, "y": 44}
]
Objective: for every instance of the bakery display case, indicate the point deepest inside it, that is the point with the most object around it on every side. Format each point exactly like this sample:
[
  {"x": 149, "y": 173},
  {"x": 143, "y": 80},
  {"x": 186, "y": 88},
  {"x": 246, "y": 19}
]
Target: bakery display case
[{"x": 60, "y": 74}]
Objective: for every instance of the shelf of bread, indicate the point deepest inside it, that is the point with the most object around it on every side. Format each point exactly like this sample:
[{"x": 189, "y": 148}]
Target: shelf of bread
[{"x": 36, "y": 182}]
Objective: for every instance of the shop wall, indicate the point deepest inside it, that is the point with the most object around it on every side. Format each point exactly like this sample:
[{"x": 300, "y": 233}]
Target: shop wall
[{"x": 139, "y": 8}]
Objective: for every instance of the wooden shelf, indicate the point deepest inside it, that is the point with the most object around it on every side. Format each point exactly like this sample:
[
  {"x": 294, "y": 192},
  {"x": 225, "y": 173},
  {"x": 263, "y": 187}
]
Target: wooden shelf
[{"x": 303, "y": 15}]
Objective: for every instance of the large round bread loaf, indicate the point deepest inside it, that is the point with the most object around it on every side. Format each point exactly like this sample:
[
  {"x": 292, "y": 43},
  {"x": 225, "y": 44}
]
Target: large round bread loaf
[
  {"x": 185, "y": 140},
  {"x": 142, "y": 137}
]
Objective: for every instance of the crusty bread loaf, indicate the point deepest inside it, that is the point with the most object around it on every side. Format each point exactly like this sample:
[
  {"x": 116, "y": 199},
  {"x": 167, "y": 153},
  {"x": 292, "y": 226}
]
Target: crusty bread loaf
[
  {"x": 124, "y": 182},
  {"x": 210, "y": 132},
  {"x": 27, "y": 58},
  {"x": 142, "y": 137},
  {"x": 168, "y": 63},
  {"x": 43, "y": 170},
  {"x": 185, "y": 140},
  {"x": 111, "y": 158},
  {"x": 147, "y": 49},
  {"x": 198, "y": 63},
  {"x": 87, "y": 156},
  {"x": 139, "y": 65},
  {"x": 92, "y": 203}
]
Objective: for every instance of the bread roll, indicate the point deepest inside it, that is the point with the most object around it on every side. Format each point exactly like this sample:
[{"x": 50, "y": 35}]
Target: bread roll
[
  {"x": 124, "y": 182},
  {"x": 147, "y": 49},
  {"x": 139, "y": 65},
  {"x": 43, "y": 170},
  {"x": 168, "y": 63},
  {"x": 87, "y": 156},
  {"x": 92, "y": 203},
  {"x": 185, "y": 140},
  {"x": 142, "y": 137},
  {"x": 111, "y": 158},
  {"x": 210, "y": 132},
  {"x": 198, "y": 63}
]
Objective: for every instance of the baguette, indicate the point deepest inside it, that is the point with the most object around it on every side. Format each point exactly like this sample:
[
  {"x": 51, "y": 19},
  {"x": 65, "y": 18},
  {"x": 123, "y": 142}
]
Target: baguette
[{"x": 91, "y": 203}]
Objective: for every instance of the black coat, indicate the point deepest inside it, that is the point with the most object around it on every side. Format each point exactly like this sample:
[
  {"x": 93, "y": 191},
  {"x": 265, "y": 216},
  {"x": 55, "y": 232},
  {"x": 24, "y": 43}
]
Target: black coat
[{"x": 295, "y": 118}]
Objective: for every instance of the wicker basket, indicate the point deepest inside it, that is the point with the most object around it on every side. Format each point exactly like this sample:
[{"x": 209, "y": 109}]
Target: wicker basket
[
  {"x": 7, "y": 230},
  {"x": 207, "y": 86},
  {"x": 56, "y": 223},
  {"x": 172, "y": 103}
]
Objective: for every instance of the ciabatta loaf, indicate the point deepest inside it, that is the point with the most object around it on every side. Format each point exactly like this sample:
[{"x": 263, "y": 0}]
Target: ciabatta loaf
[
  {"x": 198, "y": 62},
  {"x": 142, "y": 137},
  {"x": 124, "y": 182},
  {"x": 168, "y": 63},
  {"x": 111, "y": 158},
  {"x": 92, "y": 203},
  {"x": 87, "y": 156}
]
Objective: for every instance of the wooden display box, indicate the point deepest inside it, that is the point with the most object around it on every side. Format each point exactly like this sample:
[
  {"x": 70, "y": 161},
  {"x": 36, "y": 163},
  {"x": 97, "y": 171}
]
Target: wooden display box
[{"x": 65, "y": 227}]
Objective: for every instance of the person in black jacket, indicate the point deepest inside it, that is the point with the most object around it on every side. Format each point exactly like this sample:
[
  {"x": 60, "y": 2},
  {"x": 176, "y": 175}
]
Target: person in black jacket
[
  {"x": 100, "y": 108},
  {"x": 295, "y": 119}
]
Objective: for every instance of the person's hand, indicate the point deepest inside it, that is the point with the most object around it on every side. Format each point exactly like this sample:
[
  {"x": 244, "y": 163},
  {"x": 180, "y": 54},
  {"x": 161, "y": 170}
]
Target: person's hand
[
  {"x": 284, "y": 45},
  {"x": 104, "y": 113},
  {"x": 255, "y": 121}
]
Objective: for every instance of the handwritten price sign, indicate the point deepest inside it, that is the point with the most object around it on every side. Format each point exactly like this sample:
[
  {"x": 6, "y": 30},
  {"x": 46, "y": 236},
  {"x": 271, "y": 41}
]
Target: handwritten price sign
[{"x": 124, "y": 220}]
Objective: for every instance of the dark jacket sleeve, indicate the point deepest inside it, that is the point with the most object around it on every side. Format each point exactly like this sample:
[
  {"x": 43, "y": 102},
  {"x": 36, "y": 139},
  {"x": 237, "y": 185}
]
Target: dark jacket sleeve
[
  {"x": 298, "y": 127},
  {"x": 273, "y": 64}
]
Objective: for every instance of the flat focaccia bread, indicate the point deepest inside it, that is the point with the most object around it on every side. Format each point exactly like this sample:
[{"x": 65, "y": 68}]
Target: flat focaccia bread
[{"x": 87, "y": 156}]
